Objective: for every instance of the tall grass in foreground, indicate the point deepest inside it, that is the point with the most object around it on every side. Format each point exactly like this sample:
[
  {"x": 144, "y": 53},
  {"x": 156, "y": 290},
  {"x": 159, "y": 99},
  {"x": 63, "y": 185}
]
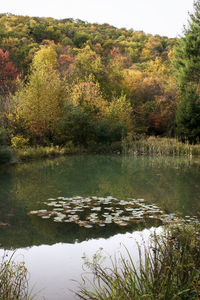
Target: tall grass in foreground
[
  {"x": 169, "y": 269},
  {"x": 13, "y": 280},
  {"x": 158, "y": 146}
]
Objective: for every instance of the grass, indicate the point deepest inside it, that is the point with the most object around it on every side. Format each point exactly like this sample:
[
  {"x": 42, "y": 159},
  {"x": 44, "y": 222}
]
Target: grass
[
  {"x": 158, "y": 146},
  {"x": 169, "y": 269},
  {"x": 35, "y": 153},
  {"x": 132, "y": 146},
  {"x": 13, "y": 280}
]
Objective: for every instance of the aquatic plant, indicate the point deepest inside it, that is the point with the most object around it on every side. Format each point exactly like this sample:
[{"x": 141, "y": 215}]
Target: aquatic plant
[
  {"x": 14, "y": 280},
  {"x": 168, "y": 269},
  {"x": 158, "y": 146},
  {"x": 102, "y": 211}
]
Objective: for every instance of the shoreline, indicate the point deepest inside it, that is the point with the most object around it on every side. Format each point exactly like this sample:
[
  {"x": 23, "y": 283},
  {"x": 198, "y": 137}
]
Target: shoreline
[{"x": 152, "y": 146}]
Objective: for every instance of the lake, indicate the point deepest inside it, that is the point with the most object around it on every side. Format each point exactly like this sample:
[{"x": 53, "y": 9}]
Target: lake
[{"x": 52, "y": 249}]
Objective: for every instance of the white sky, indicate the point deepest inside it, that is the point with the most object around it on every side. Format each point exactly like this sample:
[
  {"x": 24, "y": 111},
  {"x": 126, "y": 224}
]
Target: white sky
[{"x": 163, "y": 17}]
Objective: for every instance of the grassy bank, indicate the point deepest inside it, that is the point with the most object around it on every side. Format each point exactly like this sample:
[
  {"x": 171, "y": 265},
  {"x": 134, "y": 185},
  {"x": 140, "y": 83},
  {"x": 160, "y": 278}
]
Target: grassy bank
[
  {"x": 158, "y": 146},
  {"x": 143, "y": 146},
  {"x": 34, "y": 153},
  {"x": 169, "y": 269},
  {"x": 131, "y": 146}
]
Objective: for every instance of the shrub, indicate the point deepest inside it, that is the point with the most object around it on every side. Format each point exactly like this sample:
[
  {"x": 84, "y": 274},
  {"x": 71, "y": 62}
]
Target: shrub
[
  {"x": 3, "y": 137},
  {"x": 5, "y": 155},
  {"x": 19, "y": 142}
]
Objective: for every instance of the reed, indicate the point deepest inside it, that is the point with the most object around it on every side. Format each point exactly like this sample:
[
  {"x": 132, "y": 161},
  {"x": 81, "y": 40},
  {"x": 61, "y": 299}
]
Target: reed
[
  {"x": 158, "y": 146},
  {"x": 14, "y": 280},
  {"x": 168, "y": 269}
]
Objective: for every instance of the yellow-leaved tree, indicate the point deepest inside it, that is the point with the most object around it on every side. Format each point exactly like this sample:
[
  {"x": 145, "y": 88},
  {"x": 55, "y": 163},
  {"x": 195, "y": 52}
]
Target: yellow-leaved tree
[
  {"x": 120, "y": 111},
  {"x": 88, "y": 96},
  {"x": 40, "y": 101}
]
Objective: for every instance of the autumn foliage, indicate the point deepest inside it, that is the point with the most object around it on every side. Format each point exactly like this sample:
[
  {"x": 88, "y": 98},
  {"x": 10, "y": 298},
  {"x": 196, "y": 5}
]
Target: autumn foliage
[
  {"x": 84, "y": 83},
  {"x": 8, "y": 73}
]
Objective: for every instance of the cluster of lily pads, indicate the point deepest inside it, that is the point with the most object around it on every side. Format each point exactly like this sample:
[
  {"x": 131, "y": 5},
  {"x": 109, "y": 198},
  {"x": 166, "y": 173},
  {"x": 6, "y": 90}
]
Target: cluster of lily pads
[{"x": 101, "y": 211}]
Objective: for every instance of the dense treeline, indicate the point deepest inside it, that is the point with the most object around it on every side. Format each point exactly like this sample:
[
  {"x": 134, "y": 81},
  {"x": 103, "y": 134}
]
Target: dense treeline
[{"x": 71, "y": 82}]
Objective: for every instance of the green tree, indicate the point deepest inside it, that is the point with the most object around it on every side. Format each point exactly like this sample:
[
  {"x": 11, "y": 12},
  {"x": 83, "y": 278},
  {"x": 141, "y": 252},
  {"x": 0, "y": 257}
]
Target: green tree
[
  {"x": 188, "y": 116},
  {"x": 80, "y": 39},
  {"x": 88, "y": 63},
  {"x": 188, "y": 73}
]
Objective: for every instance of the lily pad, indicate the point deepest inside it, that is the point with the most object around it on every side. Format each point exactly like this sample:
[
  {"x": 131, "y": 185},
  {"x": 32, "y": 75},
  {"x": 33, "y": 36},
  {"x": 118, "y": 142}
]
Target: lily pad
[
  {"x": 123, "y": 223},
  {"x": 89, "y": 211},
  {"x": 33, "y": 212},
  {"x": 88, "y": 226}
]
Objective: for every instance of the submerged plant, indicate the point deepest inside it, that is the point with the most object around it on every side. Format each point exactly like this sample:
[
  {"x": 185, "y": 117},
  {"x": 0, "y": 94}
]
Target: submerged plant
[{"x": 168, "y": 269}]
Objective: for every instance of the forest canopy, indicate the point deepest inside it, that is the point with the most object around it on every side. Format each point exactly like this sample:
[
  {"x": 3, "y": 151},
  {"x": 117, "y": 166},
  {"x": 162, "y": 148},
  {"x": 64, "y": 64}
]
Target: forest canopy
[{"x": 69, "y": 81}]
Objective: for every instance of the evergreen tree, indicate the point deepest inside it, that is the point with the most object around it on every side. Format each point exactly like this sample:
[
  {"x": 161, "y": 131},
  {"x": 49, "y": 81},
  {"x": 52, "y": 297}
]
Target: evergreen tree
[
  {"x": 188, "y": 73},
  {"x": 188, "y": 116}
]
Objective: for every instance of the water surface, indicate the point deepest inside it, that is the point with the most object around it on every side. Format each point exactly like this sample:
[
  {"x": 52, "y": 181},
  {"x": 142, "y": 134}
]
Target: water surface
[{"x": 173, "y": 184}]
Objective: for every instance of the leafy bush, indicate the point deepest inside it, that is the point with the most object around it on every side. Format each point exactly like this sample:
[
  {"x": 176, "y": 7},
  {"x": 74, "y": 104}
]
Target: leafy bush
[
  {"x": 5, "y": 155},
  {"x": 19, "y": 142},
  {"x": 3, "y": 137}
]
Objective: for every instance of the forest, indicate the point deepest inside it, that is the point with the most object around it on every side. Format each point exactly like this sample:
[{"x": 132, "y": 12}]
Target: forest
[
  {"x": 69, "y": 82},
  {"x": 72, "y": 87}
]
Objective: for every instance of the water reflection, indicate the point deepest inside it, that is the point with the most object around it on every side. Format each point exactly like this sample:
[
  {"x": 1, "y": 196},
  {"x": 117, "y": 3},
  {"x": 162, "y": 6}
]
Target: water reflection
[
  {"x": 56, "y": 270},
  {"x": 171, "y": 183}
]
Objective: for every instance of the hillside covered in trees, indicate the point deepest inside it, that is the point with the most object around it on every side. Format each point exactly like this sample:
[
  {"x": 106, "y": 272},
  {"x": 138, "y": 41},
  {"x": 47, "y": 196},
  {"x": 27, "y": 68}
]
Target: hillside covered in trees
[{"x": 69, "y": 81}]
